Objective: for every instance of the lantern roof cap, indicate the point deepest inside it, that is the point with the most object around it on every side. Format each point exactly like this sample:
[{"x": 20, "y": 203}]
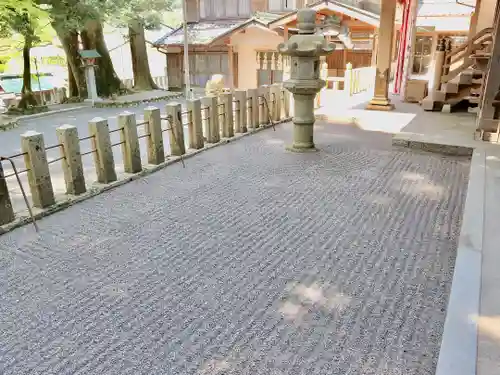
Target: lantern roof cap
[{"x": 89, "y": 54}]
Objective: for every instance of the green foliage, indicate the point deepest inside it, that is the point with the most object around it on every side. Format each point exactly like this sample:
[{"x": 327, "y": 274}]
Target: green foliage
[
  {"x": 149, "y": 12},
  {"x": 20, "y": 17}
]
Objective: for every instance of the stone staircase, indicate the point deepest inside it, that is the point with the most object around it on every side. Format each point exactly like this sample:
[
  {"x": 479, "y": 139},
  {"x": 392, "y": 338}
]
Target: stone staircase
[{"x": 460, "y": 73}]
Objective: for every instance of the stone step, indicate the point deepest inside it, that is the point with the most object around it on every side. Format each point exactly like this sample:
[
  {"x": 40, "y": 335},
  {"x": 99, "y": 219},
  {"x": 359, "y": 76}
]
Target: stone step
[
  {"x": 450, "y": 87},
  {"x": 464, "y": 78},
  {"x": 473, "y": 99}
]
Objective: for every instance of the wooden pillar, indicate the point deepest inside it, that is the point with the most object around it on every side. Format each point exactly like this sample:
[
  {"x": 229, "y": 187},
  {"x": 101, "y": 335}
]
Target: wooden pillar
[
  {"x": 411, "y": 36},
  {"x": 394, "y": 52},
  {"x": 230, "y": 62},
  {"x": 269, "y": 61},
  {"x": 374, "y": 50},
  {"x": 473, "y": 19},
  {"x": 485, "y": 120},
  {"x": 285, "y": 32},
  {"x": 381, "y": 100}
]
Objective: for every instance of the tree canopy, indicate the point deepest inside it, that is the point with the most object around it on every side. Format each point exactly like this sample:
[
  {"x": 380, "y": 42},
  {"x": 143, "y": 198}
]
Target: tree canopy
[{"x": 76, "y": 21}]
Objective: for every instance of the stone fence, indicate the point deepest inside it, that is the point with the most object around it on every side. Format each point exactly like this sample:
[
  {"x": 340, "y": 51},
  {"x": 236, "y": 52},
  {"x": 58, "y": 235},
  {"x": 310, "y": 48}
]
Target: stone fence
[
  {"x": 160, "y": 81},
  {"x": 353, "y": 81},
  {"x": 359, "y": 79},
  {"x": 208, "y": 121}
]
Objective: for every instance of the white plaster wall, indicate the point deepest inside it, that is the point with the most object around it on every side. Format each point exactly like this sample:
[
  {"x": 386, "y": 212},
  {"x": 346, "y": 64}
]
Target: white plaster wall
[
  {"x": 119, "y": 50},
  {"x": 246, "y": 45},
  {"x": 486, "y": 14}
]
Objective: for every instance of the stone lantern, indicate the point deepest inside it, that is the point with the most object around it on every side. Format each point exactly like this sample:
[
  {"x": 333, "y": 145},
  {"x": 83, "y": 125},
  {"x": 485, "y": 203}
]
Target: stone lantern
[
  {"x": 89, "y": 64},
  {"x": 305, "y": 50}
]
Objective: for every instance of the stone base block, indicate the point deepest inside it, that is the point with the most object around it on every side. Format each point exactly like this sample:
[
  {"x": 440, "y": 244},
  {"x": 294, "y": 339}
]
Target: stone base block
[
  {"x": 292, "y": 148},
  {"x": 380, "y": 107},
  {"x": 446, "y": 108}
]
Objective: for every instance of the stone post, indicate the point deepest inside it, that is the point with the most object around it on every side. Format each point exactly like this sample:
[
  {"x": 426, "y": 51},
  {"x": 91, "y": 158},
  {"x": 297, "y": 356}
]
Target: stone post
[
  {"x": 6, "y": 210},
  {"x": 176, "y": 129},
  {"x": 240, "y": 121},
  {"x": 103, "y": 156},
  {"x": 156, "y": 151},
  {"x": 91, "y": 83},
  {"x": 381, "y": 99},
  {"x": 35, "y": 158},
  {"x": 285, "y": 97},
  {"x": 228, "y": 119},
  {"x": 348, "y": 81},
  {"x": 265, "y": 107},
  {"x": 438, "y": 66},
  {"x": 276, "y": 101},
  {"x": 305, "y": 50},
  {"x": 130, "y": 147},
  {"x": 195, "y": 125},
  {"x": 67, "y": 136},
  {"x": 253, "y": 108},
  {"x": 212, "y": 131}
]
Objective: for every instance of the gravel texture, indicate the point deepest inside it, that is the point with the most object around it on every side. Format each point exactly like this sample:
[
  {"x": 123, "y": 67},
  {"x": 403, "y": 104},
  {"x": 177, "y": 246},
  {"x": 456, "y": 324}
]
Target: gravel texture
[{"x": 251, "y": 260}]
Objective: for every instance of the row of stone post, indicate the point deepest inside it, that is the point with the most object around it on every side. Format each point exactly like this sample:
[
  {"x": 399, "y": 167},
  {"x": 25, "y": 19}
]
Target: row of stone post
[{"x": 209, "y": 119}]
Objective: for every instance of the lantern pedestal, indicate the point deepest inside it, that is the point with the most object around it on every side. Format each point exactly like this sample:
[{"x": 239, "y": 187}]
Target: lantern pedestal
[{"x": 91, "y": 85}]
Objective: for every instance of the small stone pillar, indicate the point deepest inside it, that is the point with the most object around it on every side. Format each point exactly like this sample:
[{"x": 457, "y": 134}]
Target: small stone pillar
[
  {"x": 348, "y": 81},
  {"x": 240, "y": 120},
  {"x": 253, "y": 108},
  {"x": 438, "y": 66},
  {"x": 228, "y": 118},
  {"x": 285, "y": 102},
  {"x": 67, "y": 136},
  {"x": 195, "y": 125},
  {"x": 130, "y": 147},
  {"x": 265, "y": 108},
  {"x": 276, "y": 101},
  {"x": 35, "y": 158},
  {"x": 305, "y": 50},
  {"x": 103, "y": 156},
  {"x": 176, "y": 129},
  {"x": 156, "y": 151},
  {"x": 212, "y": 131},
  {"x": 324, "y": 76},
  {"x": 6, "y": 210}
]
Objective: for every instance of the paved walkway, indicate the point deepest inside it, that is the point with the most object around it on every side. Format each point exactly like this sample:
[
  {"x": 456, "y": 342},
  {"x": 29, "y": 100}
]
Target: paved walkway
[{"x": 251, "y": 260}]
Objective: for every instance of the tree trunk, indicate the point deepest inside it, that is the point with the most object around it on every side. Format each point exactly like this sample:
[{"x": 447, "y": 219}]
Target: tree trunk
[
  {"x": 72, "y": 86},
  {"x": 140, "y": 63},
  {"x": 107, "y": 80},
  {"x": 27, "y": 97},
  {"x": 76, "y": 76}
]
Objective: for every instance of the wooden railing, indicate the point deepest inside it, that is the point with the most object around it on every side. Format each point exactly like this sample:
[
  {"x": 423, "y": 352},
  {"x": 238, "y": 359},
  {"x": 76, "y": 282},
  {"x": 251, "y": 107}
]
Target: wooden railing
[
  {"x": 359, "y": 79},
  {"x": 458, "y": 59}
]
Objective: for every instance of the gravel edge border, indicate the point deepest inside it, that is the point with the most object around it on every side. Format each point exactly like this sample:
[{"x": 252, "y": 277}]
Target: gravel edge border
[
  {"x": 97, "y": 188},
  {"x": 131, "y": 103}
]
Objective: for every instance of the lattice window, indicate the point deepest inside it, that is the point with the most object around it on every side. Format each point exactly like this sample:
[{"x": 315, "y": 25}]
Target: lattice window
[
  {"x": 282, "y": 5},
  {"x": 220, "y": 9}
]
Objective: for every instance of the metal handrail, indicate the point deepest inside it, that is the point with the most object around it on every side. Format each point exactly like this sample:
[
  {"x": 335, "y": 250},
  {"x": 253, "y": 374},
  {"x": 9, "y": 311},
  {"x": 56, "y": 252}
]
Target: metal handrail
[{"x": 9, "y": 159}]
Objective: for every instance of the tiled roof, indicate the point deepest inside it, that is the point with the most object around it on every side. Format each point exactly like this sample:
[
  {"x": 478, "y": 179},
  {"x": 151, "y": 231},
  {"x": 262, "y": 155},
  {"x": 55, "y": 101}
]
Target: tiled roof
[
  {"x": 205, "y": 32},
  {"x": 443, "y": 8},
  {"x": 198, "y": 33}
]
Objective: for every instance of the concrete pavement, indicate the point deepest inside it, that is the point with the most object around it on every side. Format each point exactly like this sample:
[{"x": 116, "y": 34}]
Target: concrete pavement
[{"x": 251, "y": 260}]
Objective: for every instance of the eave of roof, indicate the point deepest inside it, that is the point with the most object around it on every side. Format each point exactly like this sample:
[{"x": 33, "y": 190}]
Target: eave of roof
[
  {"x": 368, "y": 17},
  {"x": 226, "y": 29}
]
